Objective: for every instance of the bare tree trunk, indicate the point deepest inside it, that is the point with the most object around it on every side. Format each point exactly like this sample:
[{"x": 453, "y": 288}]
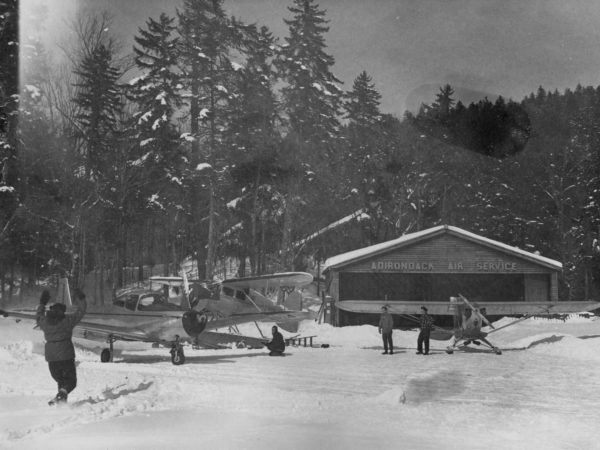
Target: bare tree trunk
[
  {"x": 211, "y": 248},
  {"x": 286, "y": 240},
  {"x": 253, "y": 226}
]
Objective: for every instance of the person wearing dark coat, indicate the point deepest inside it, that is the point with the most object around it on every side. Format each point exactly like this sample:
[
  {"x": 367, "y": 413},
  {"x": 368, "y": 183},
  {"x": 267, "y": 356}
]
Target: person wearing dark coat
[
  {"x": 277, "y": 344},
  {"x": 59, "y": 351},
  {"x": 426, "y": 325},
  {"x": 386, "y": 326}
]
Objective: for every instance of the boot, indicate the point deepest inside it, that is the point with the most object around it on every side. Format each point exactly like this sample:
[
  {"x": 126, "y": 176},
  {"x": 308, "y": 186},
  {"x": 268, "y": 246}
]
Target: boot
[{"x": 61, "y": 397}]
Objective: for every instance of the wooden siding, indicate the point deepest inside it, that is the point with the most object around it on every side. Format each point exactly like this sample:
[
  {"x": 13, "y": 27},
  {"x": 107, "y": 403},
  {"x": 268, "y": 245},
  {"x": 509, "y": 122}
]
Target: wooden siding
[{"x": 446, "y": 254}]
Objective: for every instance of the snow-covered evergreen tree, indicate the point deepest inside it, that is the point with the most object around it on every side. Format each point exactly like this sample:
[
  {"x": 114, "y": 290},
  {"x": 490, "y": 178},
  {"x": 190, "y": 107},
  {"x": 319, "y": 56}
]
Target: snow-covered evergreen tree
[
  {"x": 311, "y": 100},
  {"x": 311, "y": 96},
  {"x": 208, "y": 36},
  {"x": 156, "y": 93},
  {"x": 99, "y": 99},
  {"x": 254, "y": 138}
]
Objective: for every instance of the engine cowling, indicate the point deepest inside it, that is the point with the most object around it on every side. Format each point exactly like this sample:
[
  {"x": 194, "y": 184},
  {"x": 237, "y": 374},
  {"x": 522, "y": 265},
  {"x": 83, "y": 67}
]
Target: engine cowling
[{"x": 194, "y": 322}]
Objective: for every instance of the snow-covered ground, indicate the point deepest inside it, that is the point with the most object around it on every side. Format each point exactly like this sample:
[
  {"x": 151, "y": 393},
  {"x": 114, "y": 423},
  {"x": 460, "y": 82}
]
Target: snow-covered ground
[{"x": 543, "y": 392}]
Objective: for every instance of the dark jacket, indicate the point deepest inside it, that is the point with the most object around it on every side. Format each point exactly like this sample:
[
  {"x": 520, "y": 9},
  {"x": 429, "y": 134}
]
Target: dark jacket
[
  {"x": 277, "y": 344},
  {"x": 58, "y": 332}
]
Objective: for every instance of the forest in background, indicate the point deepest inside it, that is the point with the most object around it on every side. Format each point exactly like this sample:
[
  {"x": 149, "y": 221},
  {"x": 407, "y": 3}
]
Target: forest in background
[{"x": 213, "y": 140}]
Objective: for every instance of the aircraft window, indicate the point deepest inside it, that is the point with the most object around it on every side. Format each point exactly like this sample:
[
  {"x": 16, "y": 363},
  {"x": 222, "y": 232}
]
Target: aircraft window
[
  {"x": 151, "y": 301},
  {"x": 119, "y": 301},
  {"x": 228, "y": 291},
  {"x": 240, "y": 295}
]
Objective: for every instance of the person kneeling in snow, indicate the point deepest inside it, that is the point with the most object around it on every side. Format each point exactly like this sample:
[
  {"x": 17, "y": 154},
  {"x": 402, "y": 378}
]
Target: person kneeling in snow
[
  {"x": 59, "y": 352},
  {"x": 277, "y": 345}
]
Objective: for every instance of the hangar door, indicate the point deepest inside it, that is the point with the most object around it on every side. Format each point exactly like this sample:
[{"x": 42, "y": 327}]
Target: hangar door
[{"x": 430, "y": 286}]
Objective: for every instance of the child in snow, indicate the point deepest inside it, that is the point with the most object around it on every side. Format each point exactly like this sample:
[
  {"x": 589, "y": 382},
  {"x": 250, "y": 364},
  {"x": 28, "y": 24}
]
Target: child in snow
[{"x": 59, "y": 352}]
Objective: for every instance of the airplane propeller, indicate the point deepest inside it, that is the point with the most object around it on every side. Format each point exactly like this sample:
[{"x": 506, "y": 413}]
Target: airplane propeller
[{"x": 476, "y": 309}]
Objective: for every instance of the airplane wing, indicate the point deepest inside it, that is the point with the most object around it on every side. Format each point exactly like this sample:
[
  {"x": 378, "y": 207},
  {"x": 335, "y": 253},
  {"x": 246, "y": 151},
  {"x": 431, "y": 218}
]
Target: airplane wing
[
  {"x": 271, "y": 281},
  {"x": 102, "y": 332},
  {"x": 90, "y": 330},
  {"x": 446, "y": 308},
  {"x": 274, "y": 316}
]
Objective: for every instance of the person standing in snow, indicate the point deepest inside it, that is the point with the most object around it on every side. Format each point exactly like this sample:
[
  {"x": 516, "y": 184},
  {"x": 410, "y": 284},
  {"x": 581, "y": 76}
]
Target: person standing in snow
[
  {"x": 386, "y": 325},
  {"x": 426, "y": 324},
  {"x": 59, "y": 351},
  {"x": 277, "y": 344}
]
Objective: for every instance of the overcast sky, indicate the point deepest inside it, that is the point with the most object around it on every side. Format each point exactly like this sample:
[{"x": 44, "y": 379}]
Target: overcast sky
[{"x": 410, "y": 47}]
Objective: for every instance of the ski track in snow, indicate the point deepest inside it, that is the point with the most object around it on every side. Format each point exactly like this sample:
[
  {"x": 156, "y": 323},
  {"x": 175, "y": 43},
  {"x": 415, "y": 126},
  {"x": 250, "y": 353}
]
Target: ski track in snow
[{"x": 541, "y": 393}]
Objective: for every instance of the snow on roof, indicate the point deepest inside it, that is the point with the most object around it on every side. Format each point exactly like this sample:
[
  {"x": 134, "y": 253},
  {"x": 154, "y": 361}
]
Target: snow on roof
[
  {"x": 358, "y": 215},
  {"x": 361, "y": 253}
]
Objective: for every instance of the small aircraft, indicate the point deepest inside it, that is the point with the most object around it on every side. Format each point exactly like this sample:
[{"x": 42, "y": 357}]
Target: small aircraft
[
  {"x": 151, "y": 316},
  {"x": 469, "y": 317},
  {"x": 468, "y": 320}
]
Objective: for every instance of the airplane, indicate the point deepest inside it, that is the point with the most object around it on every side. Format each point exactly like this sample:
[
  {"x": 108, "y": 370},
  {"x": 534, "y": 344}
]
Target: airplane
[
  {"x": 469, "y": 317},
  {"x": 468, "y": 320},
  {"x": 150, "y": 316}
]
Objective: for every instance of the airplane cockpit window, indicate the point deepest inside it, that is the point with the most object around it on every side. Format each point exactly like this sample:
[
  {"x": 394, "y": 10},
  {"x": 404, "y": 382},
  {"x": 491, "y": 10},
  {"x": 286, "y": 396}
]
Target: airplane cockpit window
[
  {"x": 228, "y": 291},
  {"x": 240, "y": 295},
  {"x": 151, "y": 302}
]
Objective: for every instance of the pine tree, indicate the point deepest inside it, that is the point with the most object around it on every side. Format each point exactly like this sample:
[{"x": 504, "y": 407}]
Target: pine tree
[
  {"x": 157, "y": 96},
  {"x": 156, "y": 91},
  {"x": 100, "y": 103},
  {"x": 443, "y": 103},
  {"x": 106, "y": 158},
  {"x": 312, "y": 96},
  {"x": 9, "y": 168},
  {"x": 160, "y": 159},
  {"x": 208, "y": 37},
  {"x": 9, "y": 95},
  {"x": 311, "y": 102},
  {"x": 253, "y": 136},
  {"x": 362, "y": 103}
]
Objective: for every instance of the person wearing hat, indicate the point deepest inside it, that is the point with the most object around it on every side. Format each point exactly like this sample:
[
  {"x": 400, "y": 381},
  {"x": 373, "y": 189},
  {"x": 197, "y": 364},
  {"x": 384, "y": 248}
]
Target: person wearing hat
[
  {"x": 426, "y": 323},
  {"x": 386, "y": 325},
  {"x": 59, "y": 351}
]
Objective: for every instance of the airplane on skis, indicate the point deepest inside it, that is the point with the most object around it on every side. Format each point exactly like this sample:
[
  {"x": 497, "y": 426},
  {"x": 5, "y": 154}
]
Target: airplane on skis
[
  {"x": 151, "y": 316},
  {"x": 469, "y": 317}
]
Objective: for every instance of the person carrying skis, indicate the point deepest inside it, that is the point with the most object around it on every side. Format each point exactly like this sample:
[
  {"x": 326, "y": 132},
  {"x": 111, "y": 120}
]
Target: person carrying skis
[
  {"x": 426, "y": 324},
  {"x": 386, "y": 326},
  {"x": 59, "y": 351},
  {"x": 277, "y": 344}
]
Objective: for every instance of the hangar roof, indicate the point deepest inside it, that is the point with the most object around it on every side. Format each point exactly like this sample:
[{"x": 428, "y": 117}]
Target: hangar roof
[{"x": 373, "y": 250}]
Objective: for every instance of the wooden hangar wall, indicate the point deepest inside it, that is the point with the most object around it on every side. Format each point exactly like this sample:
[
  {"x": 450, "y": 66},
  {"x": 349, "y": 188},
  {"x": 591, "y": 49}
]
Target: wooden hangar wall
[{"x": 435, "y": 266}]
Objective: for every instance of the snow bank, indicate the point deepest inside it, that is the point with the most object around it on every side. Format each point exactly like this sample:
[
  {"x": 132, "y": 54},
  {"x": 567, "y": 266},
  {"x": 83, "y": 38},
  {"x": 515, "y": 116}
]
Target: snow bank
[{"x": 568, "y": 347}]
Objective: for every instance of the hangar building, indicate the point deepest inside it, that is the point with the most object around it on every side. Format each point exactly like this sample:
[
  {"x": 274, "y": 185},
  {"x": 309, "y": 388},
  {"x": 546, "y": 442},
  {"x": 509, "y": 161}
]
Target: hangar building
[{"x": 430, "y": 266}]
